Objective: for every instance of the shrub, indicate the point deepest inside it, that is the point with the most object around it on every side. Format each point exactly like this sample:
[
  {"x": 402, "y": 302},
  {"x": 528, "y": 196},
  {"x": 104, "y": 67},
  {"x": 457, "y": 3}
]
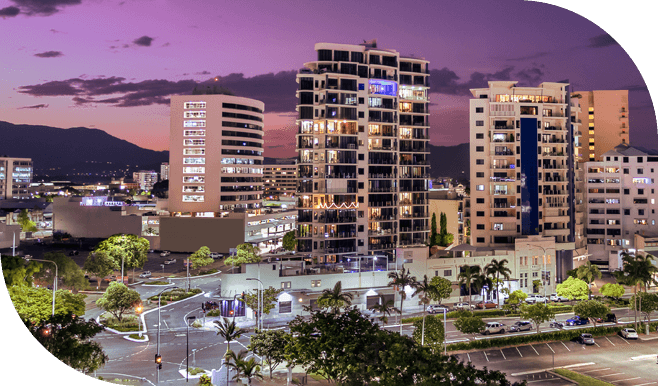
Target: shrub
[
  {"x": 136, "y": 336},
  {"x": 207, "y": 272},
  {"x": 197, "y": 324},
  {"x": 158, "y": 282},
  {"x": 205, "y": 380},
  {"x": 129, "y": 323},
  {"x": 213, "y": 313},
  {"x": 196, "y": 370},
  {"x": 176, "y": 295}
]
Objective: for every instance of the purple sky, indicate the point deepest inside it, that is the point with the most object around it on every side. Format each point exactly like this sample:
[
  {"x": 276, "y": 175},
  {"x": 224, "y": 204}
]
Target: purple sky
[{"x": 113, "y": 64}]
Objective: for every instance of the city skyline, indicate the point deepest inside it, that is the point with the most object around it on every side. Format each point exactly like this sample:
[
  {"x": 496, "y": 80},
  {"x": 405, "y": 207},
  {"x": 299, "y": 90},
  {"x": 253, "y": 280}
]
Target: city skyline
[{"x": 120, "y": 73}]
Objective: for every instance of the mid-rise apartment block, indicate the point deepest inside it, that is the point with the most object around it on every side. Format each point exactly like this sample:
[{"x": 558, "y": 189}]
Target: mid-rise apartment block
[
  {"x": 15, "y": 177},
  {"x": 363, "y": 173},
  {"x": 164, "y": 171},
  {"x": 605, "y": 122},
  {"x": 621, "y": 201},
  {"x": 145, "y": 178},
  {"x": 279, "y": 180},
  {"x": 215, "y": 155}
]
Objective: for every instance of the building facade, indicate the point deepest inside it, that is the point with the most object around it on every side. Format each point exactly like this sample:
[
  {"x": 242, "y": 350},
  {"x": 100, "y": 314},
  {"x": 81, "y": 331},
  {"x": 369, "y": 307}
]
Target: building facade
[
  {"x": 363, "y": 173},
  {"x": 621, "y": 202},
  {"x": 279, "y": 180},
  {"x": 145, "y": 178},
  {"x": 15, "y": 177},
  {"x": 164, "y": 171},
  {"x": 605, "y": 113},
  {"x": 216, "y": 155}
]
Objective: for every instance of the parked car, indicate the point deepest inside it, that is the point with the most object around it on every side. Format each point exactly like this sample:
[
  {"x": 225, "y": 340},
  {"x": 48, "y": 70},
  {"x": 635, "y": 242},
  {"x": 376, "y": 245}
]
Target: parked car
[
  {"x": 145, "y": 274},
  {"x": 609, "y": 318},
  {"x": 482, "y": 305},
  {"x": 558, "y": 298},
  {"x": 493, "y": 328},
  {"x": 215, "y": 255},
  {"x": 111, "y": 278},
  {"x": 165, "y": 253},
  {"x": 628, "y": 333},
  {"x": 437, "y": 309},
  {"x": 586, "y": 339},
  {"x": 533, "y": 298},
  {"x": 577, "y": 321},
  {"x": 556, "y": 324},
  {"x": 170, "y": 261},
  {"x": 522, "y": 325},
  {"x": 463, "y": 306}
]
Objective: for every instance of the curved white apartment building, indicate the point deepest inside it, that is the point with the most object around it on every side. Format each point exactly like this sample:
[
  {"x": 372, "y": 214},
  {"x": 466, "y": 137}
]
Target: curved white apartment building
[
  {"x": 215, "y": 155},
  {"x": 363, "y": 174}
]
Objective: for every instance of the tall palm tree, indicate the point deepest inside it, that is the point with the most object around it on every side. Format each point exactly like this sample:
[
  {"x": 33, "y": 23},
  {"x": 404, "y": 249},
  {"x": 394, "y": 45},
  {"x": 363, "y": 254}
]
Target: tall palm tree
[
  {"x": 497, "y": 268},
  {"x": 630, "y": 275},
  {"x": 588, "y": 273},
  {"x": 247, "y": 368},
  {"x": 400, "y": 280},
  {"x": 335, "y": 298},
  {"x": 481, "y": 281},
  {"x": 467, "y": 277},
  {"x": 424, "y": 288},
  {"x": 648, "y": 269},
  {"x": 228, "y": 330},
  {"x": 386, "y": 307}
]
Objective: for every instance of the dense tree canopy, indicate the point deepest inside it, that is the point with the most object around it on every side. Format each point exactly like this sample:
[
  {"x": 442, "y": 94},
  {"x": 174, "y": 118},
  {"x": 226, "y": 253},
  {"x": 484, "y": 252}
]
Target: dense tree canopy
[
  {"x": 201, "y": 258},
  {"x": 289, "y": 241},
  {"x": 35, "y": 304},
  {"x": 572, "y": 288},
  {"x": 16, "y": 271},
  {"x": 24, "y": 221},
  {"x": 612, "y": 290},
  {"x": 271, "y": 345},
  {"x": 69, "y": 273},
  {"x": 118, "y": 299},
  {"x": 99, "y": 264},
  {"x": 441, "y": 289},
  {"x": 591, "y": 309},
  {"x": 132, "y": 248},
  {"x": 538, "y": 313},
  {"x": 246, "y": 253}
]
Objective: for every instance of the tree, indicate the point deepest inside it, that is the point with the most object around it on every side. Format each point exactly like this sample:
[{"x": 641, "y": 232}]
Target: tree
[
  {"x": 27, "y": 225},
  {"x": 289, "y": 241},
  {"x": 433, "y": 234},
  {"x": 229, "y": 331},
  {"x": 117, "y": 299},
  {"x": 270, "y": 296},
  {"x": 400, "y": 280},
  {"x": 16, "y": 272},
  {"x": 516, "y": 298},
  {"x": 469, "y": 324},
  {"x": 483, "y": 281},
  {"x": 572, "y": 289},
  {"x": 444, "y": 238},
  {"x": 495, "y": 269},
  {"x": 270, "y": 345},
  {"x": 591, "y": 309},
  {"x": 635, "y": 272},
  {"x": 612, "y": 290},
  {"x": 35, "y": 304},
  {"x": 201, "y": 258},
  {"x": 247, "y": 368},
  {"x": 68, "y": 338},
  {"x": 434, "y": 332},
  {"x": 536, "y": 285},
  {"x": 68, "y": 272},
  {"x": 538, "y": 313},
  {"x": 384, "y": 306},
  {"x": 133, "y": 249},
  {"x": 467, "y": 277},
  {"x": 247, "y": 253},
  {"x": 99, "y": 264},
  {"x": 441, "y": 289},
  {"x": 335, "y": 298},
  {"x": 588, "y": 273},
  {"x": 649, "y": 302}
]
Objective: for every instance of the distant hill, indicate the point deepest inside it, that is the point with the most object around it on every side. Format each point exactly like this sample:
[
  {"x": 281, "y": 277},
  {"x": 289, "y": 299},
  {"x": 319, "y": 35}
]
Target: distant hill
[{"x": 78, "y": 154}]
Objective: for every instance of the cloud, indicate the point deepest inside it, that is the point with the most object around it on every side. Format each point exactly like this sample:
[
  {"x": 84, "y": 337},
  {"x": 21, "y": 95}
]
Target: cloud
[
  {"x": 41, "y": 106},
  {"x": 202, "y": 73},
  {"x": 603, "y": 40},
  {"x": 528, "y": 57},
  {"x": 43, "y": 7},
  {"x": 55, "y": 31},
  {"x": 144, "y": 41},
  {"x": 445, "y": 81},
  {"x": 530, "y": 76},
  {"x": 49, "y": 54},
  {"x": 9, "y": 11}
]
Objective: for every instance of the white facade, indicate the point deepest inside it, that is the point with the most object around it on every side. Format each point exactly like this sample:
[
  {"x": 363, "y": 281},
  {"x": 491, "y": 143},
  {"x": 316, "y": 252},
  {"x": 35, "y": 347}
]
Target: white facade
[
  {"x": 164, "y": 171},
  {"x": 145, "y": 178},
  {"x": 15, "y": 177},
  {"x": 621, "y": 202}
]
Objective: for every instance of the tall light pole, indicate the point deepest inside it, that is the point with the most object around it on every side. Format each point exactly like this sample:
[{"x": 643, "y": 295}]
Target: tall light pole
[
  {"x": 157, "y": 355},
  {"x": 54, "y": 281},
  {"x": 259, "y": 307},
  {"x": 187, "y": 358},
  {"x": 544, "y": 270},
  {"x": 138, "y": 310}
]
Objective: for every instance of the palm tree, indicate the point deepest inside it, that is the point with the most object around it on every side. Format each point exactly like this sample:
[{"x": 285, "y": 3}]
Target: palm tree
[
  {"x": 480, "y": 281},
  {"x": 335, "y": 298},
  {"x": 425, "y": 288},
  {"x": 228, "y": 330},
  {"x": 467, "y": 277},
  {"x": 648, "y": 269},
  {"x": 400, "y": 280},
  {"x": 385, "y": 307},
  {"x": 497, "y": 268},
  {"x": 630, "y": 275},
  {"x": 247, "y": 368},
  {"x": 588, "y": 272}
]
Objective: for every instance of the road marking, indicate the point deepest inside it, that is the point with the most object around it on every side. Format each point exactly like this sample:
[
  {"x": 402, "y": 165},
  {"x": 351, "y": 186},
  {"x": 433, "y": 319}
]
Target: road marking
[
  {"x": 535, "y": 350},
  {"x": 550, "y": 348},
  {"x": 650, "y": 356},
  {"x": 517, "y": 349},
  {"x": 179, "y": 335},
  {"x": 501, "y": 351},
  {"x": 609, "y": 341},
  {"x": 165, "y": 322},
  {"x": 591, "y": 371},
  {"x": 485, "y": 355},
  {"x": 565, "y": 346},
  {"x": 624, "y": 339},
  {"x": 545, "y": 370},
  {"x": 597, "y": 345},
  {"x": 644, "y": 384},
  {"x": 469, "y": 357},
  {"x": 627, "y": 379},
  {"x": 610, "y": 375}
]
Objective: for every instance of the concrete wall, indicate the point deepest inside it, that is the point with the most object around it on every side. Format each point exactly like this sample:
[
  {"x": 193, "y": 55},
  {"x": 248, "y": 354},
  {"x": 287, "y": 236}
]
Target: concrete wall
[
  {"x": 188, "y": 234},
  {"x": 92, "y": 221},
  {"x": 7, "y": 235},
  {"x": 451, "y": 209}
]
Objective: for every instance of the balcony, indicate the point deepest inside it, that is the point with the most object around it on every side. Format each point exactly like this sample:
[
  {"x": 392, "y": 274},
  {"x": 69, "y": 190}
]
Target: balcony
[
  {"x": 383, "y": 218},
  {"x": 554, "y": 128},
  {"x": 382, "y": 232},
  {"x": 505, "y": 152},
  {"x": 384, "y": 189},
  {"x": 378, "y": 247},
  {"x": 507, "y": 127},
  {"x": 334, "y": 220},
  {"x": 502, "y": 179},
  {"x": 380, "y": 175}
]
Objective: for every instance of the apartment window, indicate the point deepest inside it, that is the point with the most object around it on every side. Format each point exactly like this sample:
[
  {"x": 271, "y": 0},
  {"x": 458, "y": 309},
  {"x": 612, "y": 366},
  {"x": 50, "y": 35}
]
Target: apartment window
[
  {"x": 447, "y": 272},
  {"x": 360, "y": 171},
  {"x": 480, "y": 200},
  {"x": 640, "y": 191},
  {"x": 479, "y": 136},
  {"x": 286, "y": 284},
  {"x": 627, "y": 191},
  {"x": 625, "y": 171},
  {"x": 498, "y": 226},
  {"x": 480, "y": 239},
  {"x": 640, "y": 212},
  {"x": 479, "y": 148},
  {"x": 640, "y": 171},
  {"x": 479, "y": 109},
  {"x": 479, "y": 174},
  {"x": 480, "y": 214},
  {"x": 285, "y": 307},
  {"x": 361, "y": 101},
  {"x": 361, "y": 114},
  {"x": 639, "y": 159},
  {"x": 362, "y": 86},
  {"x": 479, "y": 123},
  {"x": 627, "y": 212},
  {"x": 479, "y": 162},
  {"x": 625, "y": 160},
  {"x": 479, "y": 187},
  {"x": 315, "y": 283},
  {"x": 480, "y": 226}
]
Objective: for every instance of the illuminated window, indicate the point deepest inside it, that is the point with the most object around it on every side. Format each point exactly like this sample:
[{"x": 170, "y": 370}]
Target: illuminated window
[
  {"x": 591, "y": 132},
  {"x": 197, "y": 151},
  {"x": 193, "y": 179},
  {"x": 193, "y": 189},
  {"x": 194, "y": 161},
  {"x": 194, "y": 170},
  {"x": 195, "y": 105},
  {"x": 192, "y": 198},
  {"x": 194, "y": 114},
  {"x": 591, "y": 109},
  {"x": 591, "y": 124},
  {"x": 479, "y": 187},
  {"x": 195, "y": 123},
  {"x": 591, "y": 140},
  {"x": 194, "y": 133},
  {"x": 194, "y": 142},
  {"x": 591, "y": 148}
]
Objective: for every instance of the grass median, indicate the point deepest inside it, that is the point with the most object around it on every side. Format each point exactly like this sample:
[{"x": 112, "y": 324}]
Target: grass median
[{"x": 583, "y": 380}]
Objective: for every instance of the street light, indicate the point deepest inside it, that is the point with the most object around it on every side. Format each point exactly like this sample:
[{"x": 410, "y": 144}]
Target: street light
[
  {"x": 260, "y": 303},
  {"x": 138, "y": 310},
  {"x": 157, "y": 355},
  {"x": 544, "y": 264},
  {"x": 187, "y": 358},
  {"x": 54, "y": 281}
]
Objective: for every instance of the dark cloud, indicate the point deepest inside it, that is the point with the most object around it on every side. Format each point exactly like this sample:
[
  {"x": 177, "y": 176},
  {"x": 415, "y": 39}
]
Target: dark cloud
[
  {"x": 202, "y": 73},
  {"x": 9, "y": 11},
  {"x": 445, "y": 81},
  {"x": 43, "y": 7},
  {"x": 49, "y": 54},
  {"x": 530, "y": 76},
  {"x": 166, "y": 45},
  {"x": 41, "y": 106},
  {"x": 144, "y": 41},
  {"x": 603, "y": 40},
  {"x": 55, "y": 31},
  {"x": 528, "y": 57}
]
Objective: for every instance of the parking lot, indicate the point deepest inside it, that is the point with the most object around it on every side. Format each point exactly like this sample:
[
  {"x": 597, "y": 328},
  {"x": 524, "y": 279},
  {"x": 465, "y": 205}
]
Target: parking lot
[{"x": 617, "y": 376}]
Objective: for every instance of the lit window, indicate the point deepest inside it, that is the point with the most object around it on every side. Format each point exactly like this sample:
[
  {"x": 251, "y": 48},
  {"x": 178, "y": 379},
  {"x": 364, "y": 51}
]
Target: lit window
[
  {"x": 194, "y": 170},
  {"x": 194, "y": 161},
  {"x": 195, "y": 123},
  {"x": 197, "y": 151},
  {"x": 195, "y": 105},
  {"x": 591, "y": 124},
  {"x": 194, "y": 142},
  {"x": 480, "y": 187},
  {"x": 193, "y": 189},
  {"x": 194, "y": 133},
  {"x": 194, "y": 179},
  {"x": 194, "y": 114},
  {"x": 316, "y": 283},
  {"x": 192, "y": 198}
]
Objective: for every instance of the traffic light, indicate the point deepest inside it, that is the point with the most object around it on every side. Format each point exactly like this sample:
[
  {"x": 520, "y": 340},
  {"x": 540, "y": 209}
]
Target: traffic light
[{"x": 158, "y": 359}]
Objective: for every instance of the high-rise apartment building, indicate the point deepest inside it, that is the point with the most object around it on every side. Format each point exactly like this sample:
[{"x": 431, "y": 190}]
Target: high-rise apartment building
[
  {"x": 15, "y": 177},
  {"x": 621, "y": 202},
  {"x": 605, "y": 122},
  {"x": 362, "y": 144},
  {"x": 521, "y": 149},
  {"x": 145, "y": 178},
  {"x": 280, "y": 180},
  {"x": 215, "y": 155},
  {"x": 164, "y": 171}
]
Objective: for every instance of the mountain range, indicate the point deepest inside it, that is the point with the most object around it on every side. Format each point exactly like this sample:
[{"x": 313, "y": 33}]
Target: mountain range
[{"x": 80, "y": 154}]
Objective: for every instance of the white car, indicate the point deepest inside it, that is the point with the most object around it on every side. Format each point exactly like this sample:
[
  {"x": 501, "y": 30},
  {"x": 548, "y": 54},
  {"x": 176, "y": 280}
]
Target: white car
[
  {"x": 532, "y": 298},
  {"x": 437, "y": 309},
  {"x": 463, "y": 306},
  {"x": 145, "y": 274},
  {"x": 165, "y": 253},
  {"x": 170, "y": 261},
  {"x": 628, "y": 333},
  {"x": 494, "y": 328},
  {"x": 215, "y": 255},
  {"x": 558, "y": 298}
]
